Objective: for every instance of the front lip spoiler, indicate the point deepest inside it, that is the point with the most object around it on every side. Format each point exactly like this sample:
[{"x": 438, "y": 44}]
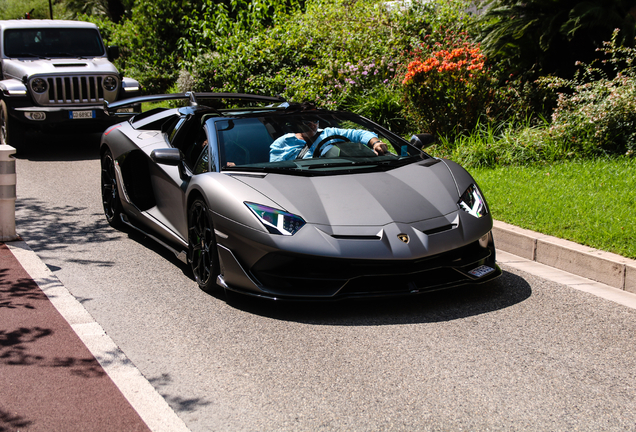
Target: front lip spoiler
[{"x": 376, "y": 295}]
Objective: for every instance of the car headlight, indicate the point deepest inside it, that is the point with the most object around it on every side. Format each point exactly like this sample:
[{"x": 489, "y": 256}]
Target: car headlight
[
  {"x": 110, "y": 83},
  {"x": 277, "y": 221},
  {"x": 472, "y": 202},
  {"x": 39, "y": 85}
]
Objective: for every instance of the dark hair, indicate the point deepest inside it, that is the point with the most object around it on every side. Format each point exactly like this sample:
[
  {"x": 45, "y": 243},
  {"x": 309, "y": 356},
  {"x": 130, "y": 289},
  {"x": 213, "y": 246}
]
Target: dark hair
[{"x": 307, "y": 106}]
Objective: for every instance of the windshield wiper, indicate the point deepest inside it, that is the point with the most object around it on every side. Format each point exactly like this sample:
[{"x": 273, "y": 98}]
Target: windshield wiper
[
  {"x": 29, "y": 55},
  {"x": 67, "y": 54},
  {"x": 262, "y": 169},
  {"x": 333, "y": 164}
]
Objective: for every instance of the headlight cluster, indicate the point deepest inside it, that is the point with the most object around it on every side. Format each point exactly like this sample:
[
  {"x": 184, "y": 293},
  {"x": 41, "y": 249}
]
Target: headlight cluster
[
  {"x": 276, "y": 221},
  {"x": 472, "y": 202},
  {"x": 39, "y": 85}
]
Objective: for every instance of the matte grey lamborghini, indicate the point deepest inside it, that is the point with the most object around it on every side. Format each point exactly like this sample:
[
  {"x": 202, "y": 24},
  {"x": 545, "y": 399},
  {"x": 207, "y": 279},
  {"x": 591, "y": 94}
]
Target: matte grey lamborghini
[{"x": 286, "y": 201}]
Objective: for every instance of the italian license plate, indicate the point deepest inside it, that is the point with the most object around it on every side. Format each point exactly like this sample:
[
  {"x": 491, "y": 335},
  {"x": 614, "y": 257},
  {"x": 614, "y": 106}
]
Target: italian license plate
[
  {"x": 82, "y": 114},
  {"x": 481, "y": 271}
]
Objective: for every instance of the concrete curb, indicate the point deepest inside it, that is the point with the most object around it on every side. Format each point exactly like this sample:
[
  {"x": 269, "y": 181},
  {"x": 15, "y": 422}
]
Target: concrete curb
[{"x": 605, "y": 267}]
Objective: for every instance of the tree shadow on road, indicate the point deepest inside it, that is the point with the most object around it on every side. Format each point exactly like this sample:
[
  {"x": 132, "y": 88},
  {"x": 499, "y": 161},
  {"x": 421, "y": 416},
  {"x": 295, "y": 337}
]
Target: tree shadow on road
[
  {"x": 178, "y": 403},
  {"x": 18, "y": 294},
  {"x": 54, "y": 228},
  {"x": 13, "y": 422},
  {"x": 20, "y": 299},
  {"x": 439, "y": 306}
]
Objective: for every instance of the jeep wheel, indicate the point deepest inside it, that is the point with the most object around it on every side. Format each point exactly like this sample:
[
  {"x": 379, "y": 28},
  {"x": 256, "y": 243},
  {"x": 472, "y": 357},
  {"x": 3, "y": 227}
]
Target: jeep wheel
[{"x": 11, "y": 132}]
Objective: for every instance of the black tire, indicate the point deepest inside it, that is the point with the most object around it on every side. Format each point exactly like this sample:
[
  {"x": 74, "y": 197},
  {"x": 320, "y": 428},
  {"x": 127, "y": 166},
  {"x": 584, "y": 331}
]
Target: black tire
[
  {"x": 11, "y": 132},
  {"x": 110, "y": 192},
  {"x": 204, "y": 257}
]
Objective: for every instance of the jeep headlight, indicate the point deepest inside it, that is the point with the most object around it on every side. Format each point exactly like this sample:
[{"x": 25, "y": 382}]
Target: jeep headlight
[
  {"x": 39, "y": 85},
  {"x": 110, "y": 83},
  {"x": 276, "y": 221},
  {"x": 472, "y": 202}
]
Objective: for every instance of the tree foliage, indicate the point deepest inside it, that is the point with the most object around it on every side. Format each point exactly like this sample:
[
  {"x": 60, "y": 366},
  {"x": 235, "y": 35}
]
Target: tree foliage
[
  {"x": 549, "y": 36},
  {"x": 114, "y": 10},
  {"x": 16, "y": 9},
  {"x": 338, "y": 54},
  {"x": 158, "y": 36}
]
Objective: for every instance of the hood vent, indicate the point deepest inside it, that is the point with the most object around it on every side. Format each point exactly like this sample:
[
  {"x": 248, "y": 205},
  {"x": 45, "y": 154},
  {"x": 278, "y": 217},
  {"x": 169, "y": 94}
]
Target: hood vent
[
  {"x": 240, "y": 174},
  {"x": 429, "y": 162},
  {"x": 440, "y": 229},
  {"x": 63, "y": 65},
  {"x": 443, "y": 228}
]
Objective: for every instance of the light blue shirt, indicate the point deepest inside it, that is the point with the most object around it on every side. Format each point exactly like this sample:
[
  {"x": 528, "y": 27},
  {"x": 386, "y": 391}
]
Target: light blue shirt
[{"x": 288, "y": 146}]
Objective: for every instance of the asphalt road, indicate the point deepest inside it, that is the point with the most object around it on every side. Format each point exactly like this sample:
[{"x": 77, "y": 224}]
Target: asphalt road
[{"x": 518, "y": 354}]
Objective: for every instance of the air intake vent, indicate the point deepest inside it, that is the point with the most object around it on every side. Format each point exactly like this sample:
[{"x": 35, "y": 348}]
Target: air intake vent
[
  {"x": 440, "y": 229},
  {"x": 356, "y": 237}
]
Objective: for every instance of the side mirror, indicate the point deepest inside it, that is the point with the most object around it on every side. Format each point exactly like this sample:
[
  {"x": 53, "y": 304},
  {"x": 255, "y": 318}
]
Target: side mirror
[
  {"x": 166, "y": 156},
  {"x": 112, "y": 52},
  {"x": 423, "y": 140}
]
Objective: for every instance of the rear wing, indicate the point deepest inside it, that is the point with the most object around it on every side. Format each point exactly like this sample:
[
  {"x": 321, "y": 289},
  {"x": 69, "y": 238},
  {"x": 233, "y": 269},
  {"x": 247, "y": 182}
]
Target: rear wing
[{"x": 112, "y": 108}]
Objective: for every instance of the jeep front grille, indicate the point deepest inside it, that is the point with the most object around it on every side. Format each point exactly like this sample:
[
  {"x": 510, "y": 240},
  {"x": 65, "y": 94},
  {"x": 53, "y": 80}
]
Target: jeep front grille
[{"x": 74, "y": 90}]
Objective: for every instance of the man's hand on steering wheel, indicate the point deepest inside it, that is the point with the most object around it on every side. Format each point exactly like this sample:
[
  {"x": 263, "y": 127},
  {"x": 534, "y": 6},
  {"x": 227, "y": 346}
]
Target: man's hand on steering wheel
[{"x": 379, "y": 147}]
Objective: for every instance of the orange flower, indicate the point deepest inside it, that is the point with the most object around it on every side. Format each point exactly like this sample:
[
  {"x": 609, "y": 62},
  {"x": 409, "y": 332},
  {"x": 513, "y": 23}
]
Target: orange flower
[{"x": 459, "y": 60}]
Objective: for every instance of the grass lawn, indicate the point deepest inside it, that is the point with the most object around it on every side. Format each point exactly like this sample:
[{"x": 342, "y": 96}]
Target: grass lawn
[{"x": 588, "y": 202}]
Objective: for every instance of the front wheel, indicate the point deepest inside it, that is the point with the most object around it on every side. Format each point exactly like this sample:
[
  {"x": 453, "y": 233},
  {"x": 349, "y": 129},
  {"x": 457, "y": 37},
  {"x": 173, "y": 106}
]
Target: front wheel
[
  {"x": 110, "y": 193},
  {"x": 204, "y": 257},
  {"x": 11, "y": 132}
]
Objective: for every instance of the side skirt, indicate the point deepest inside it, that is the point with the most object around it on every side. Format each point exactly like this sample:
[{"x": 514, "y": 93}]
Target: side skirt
[{"x": 181, "y": 255}]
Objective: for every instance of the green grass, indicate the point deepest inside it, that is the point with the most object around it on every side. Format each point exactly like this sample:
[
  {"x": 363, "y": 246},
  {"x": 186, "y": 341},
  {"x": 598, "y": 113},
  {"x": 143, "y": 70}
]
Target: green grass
[{"x": 591, "y": 202}]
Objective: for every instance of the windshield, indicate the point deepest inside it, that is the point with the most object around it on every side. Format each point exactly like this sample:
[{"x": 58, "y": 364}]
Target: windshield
[
  {"x": 53, "y": 42},
  {"x": 310, "y": 142}
]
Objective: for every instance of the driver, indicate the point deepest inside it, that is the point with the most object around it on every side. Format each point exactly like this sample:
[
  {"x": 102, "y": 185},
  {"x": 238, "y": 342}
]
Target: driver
[{"x": 291, "y": 145}]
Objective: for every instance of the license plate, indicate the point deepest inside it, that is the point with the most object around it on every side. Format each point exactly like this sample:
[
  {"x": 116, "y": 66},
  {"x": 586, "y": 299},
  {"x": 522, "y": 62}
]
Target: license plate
[
  {"x": 481, "y": 271},
  {"x": 82, "y": 114}
]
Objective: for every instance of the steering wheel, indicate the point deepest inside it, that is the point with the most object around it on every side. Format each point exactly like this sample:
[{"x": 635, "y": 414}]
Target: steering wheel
[{"x": 322, "y": 143}]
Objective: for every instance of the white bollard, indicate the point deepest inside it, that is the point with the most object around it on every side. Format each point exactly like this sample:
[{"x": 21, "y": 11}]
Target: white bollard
[{"x": 7, "y": 194}]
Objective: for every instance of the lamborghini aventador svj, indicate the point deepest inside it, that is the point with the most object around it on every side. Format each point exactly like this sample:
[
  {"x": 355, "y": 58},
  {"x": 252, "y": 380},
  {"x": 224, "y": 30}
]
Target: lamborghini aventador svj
[{"x": 284, "y": 200}]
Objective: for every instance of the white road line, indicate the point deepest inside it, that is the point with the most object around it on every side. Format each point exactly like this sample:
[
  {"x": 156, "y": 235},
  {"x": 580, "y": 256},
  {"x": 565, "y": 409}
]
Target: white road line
[{"x": 149, "y": 404}]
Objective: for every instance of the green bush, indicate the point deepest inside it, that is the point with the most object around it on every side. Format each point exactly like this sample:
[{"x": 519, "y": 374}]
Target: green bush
[
  {"x": 159, "y": 37},
  {"x": 596, "y": 115},
  {"x": 341, "y": 55}
]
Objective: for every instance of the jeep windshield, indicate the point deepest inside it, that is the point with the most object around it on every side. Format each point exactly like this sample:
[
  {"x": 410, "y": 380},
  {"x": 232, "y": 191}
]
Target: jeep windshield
[
  {"x": 310, "y": 143},
  {"x": 53, "y": 43}
]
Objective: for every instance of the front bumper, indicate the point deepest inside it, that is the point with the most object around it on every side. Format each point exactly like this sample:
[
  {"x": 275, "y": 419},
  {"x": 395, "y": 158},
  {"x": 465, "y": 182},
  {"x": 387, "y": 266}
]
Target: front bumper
[
  {"x": 69, "y": 118},
  {"x": 281, "y": 275}
]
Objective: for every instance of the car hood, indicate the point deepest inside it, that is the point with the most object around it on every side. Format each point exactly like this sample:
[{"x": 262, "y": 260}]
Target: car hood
[
  {"x": 18, "y": 68},
  {"x": 408, "y": 194}
]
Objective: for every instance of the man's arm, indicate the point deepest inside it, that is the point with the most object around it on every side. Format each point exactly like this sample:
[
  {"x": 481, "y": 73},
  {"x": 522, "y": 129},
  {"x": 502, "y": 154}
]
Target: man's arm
[{"x": 285, "y": 147}]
